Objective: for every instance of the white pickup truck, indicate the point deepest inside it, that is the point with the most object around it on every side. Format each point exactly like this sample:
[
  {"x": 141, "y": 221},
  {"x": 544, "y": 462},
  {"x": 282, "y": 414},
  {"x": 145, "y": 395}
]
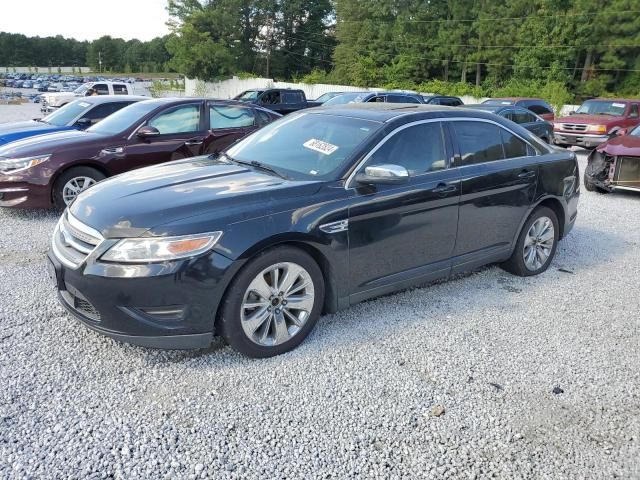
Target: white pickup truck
[{"x": 51, "y": 101}]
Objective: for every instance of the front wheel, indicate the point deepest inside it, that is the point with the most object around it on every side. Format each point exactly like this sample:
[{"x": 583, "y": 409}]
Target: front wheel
[
  {"x": 536, "y": 244},
  {"x": 72, "y": 182},
  {"x": 273, "y": 303}
]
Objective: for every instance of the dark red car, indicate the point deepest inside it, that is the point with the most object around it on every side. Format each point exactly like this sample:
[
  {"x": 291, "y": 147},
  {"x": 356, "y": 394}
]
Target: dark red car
[
  {"x": 596, "y": 121},
  {"x": 52, "y": 169},
  {"x": 535, "y": 105},
  {"x": 615, "y": 165}
]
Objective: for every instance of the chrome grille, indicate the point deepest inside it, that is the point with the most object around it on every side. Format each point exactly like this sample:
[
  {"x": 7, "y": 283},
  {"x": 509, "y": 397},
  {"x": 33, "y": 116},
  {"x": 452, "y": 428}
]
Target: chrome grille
[
  {"x": 73, "y": 241},
  {"x": 573, "y": 127}
]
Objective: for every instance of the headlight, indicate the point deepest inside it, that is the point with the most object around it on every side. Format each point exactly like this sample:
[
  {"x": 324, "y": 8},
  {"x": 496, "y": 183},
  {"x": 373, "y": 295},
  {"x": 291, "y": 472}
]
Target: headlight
[
  {"x": 597, "y": 128},
  {"x": 160, "y": 249},
  {"x": 13, "y": 165}
]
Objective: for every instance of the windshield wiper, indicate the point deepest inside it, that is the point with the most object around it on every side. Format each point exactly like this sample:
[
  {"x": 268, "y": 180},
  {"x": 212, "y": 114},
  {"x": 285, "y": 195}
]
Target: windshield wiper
[{"x": 253, "y": 163}]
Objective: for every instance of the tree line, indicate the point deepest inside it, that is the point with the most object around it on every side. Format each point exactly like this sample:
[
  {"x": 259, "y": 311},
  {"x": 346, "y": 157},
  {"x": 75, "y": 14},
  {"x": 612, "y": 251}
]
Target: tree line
[
  {"x": 116, "y": 54},
  {"x": 589, "y": 47}
]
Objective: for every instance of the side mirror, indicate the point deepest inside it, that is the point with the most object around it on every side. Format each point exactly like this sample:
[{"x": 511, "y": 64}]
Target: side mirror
[
  {"x": 386, "y": 174},
  {"x": 572, "y": 112},
  {"x": 84, "y": 123},
  {"x": 147, "y": 132},
  {"x": 621, "y": 132}
]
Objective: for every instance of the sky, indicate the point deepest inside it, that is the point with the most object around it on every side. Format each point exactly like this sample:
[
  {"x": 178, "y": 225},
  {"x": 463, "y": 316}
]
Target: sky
[{"x": 85, "y": 19}]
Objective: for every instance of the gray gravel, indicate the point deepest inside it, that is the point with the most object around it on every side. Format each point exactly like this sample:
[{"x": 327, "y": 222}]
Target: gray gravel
[{"x": 452, "y": 381}]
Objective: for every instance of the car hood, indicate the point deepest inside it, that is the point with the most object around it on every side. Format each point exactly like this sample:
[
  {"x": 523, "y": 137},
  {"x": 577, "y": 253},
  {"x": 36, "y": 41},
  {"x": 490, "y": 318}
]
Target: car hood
[
  {"x": 588, "y": 119},
  {"x": 10, "y": 132},
  {"x": 623, "y": 145},
  {"x": 46, "y": 144},
  {"x": 158, "y": 200}
]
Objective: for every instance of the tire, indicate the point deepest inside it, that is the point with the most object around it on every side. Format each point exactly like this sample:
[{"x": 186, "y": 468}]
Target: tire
[
  {"x": 536, "y": 264},
  {"x": 82, "y": 175},
  {"x": 265, "y": 336}
]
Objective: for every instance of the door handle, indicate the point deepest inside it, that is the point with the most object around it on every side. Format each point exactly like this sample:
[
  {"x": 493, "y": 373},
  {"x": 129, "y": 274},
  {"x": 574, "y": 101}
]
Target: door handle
[
  {"x": 443, "y": 189},
  {"x": 527, "y": 174},
  {"x": 193, "y": 142}
]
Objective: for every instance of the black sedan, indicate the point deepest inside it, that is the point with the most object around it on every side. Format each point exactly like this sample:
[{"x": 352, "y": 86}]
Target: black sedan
[
  {"x": 310, "y": 214},
  {"x": 523, "y": 117}
]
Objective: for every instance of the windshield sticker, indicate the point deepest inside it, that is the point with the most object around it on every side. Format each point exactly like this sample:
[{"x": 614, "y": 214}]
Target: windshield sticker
[
  {"x": 84, "y": 104},
  {"x": 313, "y": 172},
  {"x": 620, "y": 105},
  {"x": 320, "y": 146}
]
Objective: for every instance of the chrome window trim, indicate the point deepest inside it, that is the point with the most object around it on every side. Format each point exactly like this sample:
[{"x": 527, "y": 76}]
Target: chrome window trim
[{"x": 347, "y": 184}]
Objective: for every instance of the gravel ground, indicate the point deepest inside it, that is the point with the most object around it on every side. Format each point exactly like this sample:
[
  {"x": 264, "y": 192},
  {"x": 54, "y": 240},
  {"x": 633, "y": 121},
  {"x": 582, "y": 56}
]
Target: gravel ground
[{"x": 485, "y": 376}]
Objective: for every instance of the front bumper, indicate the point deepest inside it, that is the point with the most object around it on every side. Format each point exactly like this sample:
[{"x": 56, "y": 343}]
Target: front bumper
[
  {"x": 579, "y": 139},
  {"x": 24, "y": 194},
  {"x": 171, "y": 305}
]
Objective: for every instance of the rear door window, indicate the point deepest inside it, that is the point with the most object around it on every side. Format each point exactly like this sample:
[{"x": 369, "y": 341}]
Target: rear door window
[
  {"x": 633, "y": 113},
  {"x": 182, "y": 119},
  {"x": 291, "y": 97},
  {"x": 478, "y": 142},
  {"x": 514, "y": 147},
  {"x": 377, "y": 99},
  {"x": 401, "y": 99},
  {"x": 119, "y": 89},
  {"x": 520, "y": 115},
  {"x": 101, "y": 88},
  {"x": 539, "y": 109},
  {"x": 450, "y": 102},
  {"x": 228, "y": 116},
  {"x": 271, "y": 98}
]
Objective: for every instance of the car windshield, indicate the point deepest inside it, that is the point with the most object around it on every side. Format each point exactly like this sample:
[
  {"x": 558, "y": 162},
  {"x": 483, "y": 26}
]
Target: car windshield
[
  {"x": 123, "y": 119},
  {"x": 497, "y": 101},
  {"x": 326, "y": 96},
  {"x": 345, "y": 98},
  {"x": 305, "y": 146},
  {"x": 82, "y": 89},
  {"x": 249, "y": 95},
  {"x": 64, "y": 116},
  {"x": 602, "y": 107},
  {"x": 635, "y": 132}
]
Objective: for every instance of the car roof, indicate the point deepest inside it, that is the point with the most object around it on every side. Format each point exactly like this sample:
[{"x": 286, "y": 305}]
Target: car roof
[
  {"x": 615, "y": 99},
  {"x": 386, "y": 112},
  {"x": 517, "y": 99},
  {"x": 181, "y": 100}
]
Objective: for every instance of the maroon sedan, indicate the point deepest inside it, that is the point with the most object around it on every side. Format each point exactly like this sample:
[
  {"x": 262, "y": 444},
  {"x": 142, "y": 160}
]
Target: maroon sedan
[
  {"x": 53, "y": 169},
  {"x": 615, "y": 165}
]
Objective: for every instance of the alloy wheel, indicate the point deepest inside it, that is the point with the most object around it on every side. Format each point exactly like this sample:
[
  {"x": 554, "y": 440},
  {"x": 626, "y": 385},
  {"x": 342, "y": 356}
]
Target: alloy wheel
[
  {"x": 538, "y": 244},
  {"x": 74, "y": 187},
  {"x": 277, "y": 304}
]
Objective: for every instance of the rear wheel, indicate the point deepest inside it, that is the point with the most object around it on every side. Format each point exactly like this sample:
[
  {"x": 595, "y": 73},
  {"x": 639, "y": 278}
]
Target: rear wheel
[
  {"x": 72, "y": 182},
  {"x": 536, "y": 244},
  {"x": 273, "y": 303}
]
